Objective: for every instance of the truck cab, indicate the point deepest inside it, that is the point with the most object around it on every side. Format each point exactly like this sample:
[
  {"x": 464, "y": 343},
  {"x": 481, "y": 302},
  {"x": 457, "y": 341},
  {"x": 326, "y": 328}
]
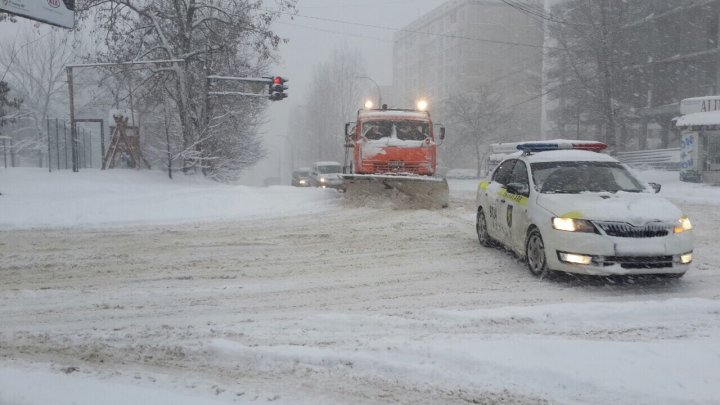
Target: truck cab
[{"x": 390, "y": 141}]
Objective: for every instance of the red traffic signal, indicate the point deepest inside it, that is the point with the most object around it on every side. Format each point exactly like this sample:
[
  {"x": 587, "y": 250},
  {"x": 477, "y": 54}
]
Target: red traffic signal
[{"x": 277, "y": 88}]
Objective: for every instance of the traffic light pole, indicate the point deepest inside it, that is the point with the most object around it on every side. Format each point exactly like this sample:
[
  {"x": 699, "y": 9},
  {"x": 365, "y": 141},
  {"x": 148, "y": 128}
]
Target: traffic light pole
[{"x": 273, "y": 82}]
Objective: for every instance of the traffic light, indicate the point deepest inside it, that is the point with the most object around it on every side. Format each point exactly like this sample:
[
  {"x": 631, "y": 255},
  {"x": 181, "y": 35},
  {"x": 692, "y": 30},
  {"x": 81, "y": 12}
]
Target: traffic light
[{"x": 277, "y": 88}]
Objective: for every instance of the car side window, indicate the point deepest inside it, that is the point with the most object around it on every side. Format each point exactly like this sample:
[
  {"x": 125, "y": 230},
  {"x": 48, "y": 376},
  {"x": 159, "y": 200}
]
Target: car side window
[
  {"x": 503, "y": 172},
  {"x": 519, "y": 174}
]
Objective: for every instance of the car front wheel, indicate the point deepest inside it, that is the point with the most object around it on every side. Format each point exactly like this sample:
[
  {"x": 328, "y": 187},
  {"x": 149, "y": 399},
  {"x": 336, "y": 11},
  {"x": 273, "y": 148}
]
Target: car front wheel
[
  {"x": 481, "y": 229},
  {"x": 535, "y": 253}
]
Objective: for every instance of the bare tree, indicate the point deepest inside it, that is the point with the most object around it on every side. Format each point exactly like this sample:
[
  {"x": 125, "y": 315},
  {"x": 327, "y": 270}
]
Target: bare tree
[
  {"x": 476, "y": 117},
  {"x": 612, "y": 58},
  {"x": 35, "y": 64},
  {"x": 335, "y": 96}
]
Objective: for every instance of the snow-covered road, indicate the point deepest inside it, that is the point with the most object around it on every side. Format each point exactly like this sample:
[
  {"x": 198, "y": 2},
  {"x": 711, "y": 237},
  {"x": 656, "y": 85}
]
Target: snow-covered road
[{"x": 348, "y": 305}]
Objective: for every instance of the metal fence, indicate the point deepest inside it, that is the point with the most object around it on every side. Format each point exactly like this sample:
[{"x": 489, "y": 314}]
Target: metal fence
[
  {"x": 53, "y": 147},
  {"x": 665, "y": 159}
]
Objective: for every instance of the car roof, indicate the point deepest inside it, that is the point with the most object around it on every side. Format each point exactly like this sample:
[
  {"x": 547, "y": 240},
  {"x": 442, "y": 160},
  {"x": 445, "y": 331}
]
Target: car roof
[{"x": 568, "y": 155}]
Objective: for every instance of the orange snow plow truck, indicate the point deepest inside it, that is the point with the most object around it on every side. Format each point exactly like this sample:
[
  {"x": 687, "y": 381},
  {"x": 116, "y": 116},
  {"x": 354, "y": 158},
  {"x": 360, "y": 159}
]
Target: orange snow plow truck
[{"x": 394, "y": 155}]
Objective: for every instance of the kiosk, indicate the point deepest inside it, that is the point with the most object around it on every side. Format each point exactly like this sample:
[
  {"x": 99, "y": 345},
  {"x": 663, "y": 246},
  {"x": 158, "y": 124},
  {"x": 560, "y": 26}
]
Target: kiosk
[{"x": 700, "y": 139}]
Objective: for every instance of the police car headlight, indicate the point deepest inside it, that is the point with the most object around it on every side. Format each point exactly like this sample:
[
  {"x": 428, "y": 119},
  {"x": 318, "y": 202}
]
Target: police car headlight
[
  {"x": 573, "y": 225},
  {"x": 683, "y": 225},
  {"x": 687, "y": 258}
]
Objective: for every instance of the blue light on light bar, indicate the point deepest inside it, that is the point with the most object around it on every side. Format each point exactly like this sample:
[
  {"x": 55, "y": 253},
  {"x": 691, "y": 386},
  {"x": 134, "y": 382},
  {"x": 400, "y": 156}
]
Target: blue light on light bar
[
  {"x": 538, "y": 147},
  {"x": 548, "y": 146}
]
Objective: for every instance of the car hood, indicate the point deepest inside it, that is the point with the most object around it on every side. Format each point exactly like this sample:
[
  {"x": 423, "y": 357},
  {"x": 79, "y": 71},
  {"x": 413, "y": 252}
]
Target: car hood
[
  {"x": 634, "y": 208},
  {"x": 331, "y": 177}
]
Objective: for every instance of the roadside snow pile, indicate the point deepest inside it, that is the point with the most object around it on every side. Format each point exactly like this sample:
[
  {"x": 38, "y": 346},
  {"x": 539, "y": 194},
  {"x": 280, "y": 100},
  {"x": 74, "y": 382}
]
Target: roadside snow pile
[
  {"x": 35, "y": 198},
  {"x": 680, "y": 191}
]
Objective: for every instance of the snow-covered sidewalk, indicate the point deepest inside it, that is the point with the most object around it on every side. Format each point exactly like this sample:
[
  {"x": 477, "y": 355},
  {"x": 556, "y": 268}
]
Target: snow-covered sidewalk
[{"x": 33, "y": 198}]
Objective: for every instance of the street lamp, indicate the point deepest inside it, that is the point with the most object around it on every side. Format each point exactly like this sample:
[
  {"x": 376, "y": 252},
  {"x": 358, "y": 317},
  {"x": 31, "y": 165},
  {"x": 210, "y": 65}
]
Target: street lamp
[{"x": 376, "y": 86}]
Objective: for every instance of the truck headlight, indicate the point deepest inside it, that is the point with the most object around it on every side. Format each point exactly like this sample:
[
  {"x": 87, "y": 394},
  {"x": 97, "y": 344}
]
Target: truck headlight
[
  {"x": 683, "y": 225},
  {"x": 573, "y": 225}
]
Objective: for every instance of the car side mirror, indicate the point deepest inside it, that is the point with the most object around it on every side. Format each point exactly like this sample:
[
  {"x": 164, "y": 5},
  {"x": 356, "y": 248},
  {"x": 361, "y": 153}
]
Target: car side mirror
[
  {"x": 656, "y": 187},
  {"x": 518, "y": 188},
  {"x": 348, "y": 131}
]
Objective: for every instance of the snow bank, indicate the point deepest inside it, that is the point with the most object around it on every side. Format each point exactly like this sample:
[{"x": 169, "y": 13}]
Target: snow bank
[
  {"x": 20, "y": 386},
  {"x": 680, "y": 191},
  {"x": 35, "y": 198}
]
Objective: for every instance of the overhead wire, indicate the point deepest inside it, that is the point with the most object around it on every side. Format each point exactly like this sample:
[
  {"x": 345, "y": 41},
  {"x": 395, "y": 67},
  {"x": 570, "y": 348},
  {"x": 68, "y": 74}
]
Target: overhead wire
[
  {"x": 334, "y": 32},
  {"x": 535, "y": 12},
  {"x": 386, "y": 28}
]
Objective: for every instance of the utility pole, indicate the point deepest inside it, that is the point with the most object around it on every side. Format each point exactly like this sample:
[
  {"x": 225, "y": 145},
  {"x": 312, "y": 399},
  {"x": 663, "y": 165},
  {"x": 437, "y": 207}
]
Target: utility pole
[{"x": 73, "y": 125}]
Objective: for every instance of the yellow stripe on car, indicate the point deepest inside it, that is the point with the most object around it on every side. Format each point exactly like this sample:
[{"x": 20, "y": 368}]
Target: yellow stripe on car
[
  {"x": 572, "y": 215},
  {"x": 483, "y": 185},
  {"x": 520, "y": 199}
]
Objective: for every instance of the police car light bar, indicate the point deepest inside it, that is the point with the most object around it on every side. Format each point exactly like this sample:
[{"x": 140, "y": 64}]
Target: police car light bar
[{"x": 547, "y": 146}]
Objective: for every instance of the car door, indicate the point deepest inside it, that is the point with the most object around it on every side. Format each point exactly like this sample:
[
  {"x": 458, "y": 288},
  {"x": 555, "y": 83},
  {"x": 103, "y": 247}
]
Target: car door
[
  {"x": 517, "y": 193},
  {"x": 496, "y": 200}
]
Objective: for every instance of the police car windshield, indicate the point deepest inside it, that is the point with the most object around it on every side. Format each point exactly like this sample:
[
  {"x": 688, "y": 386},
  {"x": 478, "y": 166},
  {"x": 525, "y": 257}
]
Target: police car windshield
[{"x": 578, "y": 177}]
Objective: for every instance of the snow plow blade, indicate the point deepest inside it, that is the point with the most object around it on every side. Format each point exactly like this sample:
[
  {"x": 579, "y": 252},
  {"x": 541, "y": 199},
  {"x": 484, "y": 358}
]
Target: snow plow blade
[{"x": 403, "y": 191}]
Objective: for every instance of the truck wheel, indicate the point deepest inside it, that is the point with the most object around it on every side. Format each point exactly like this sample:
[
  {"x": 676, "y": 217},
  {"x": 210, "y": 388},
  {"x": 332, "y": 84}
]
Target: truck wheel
[
  {"x": 481, "y": 229},
  {"x": 535, "y": 254}
]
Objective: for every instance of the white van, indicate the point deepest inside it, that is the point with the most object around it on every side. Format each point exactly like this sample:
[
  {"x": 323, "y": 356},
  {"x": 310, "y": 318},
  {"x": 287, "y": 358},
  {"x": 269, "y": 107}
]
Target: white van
[{"x": 326, "y": 175}]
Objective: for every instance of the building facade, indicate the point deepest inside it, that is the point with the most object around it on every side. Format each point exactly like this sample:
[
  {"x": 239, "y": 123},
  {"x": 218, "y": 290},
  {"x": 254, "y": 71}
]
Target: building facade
[{"x": 471, "y": 46}]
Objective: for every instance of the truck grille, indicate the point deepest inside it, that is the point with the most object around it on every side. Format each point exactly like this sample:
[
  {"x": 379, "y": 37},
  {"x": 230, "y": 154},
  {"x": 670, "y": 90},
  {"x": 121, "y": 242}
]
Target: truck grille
[
  {"x": 398, "y": 167},
  {"x": 625, "y": 230},
  {"x": 639, "y": 262}
]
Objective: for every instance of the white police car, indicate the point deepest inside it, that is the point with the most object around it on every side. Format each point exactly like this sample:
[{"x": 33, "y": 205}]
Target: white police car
[{"x": 567, "y": 207}]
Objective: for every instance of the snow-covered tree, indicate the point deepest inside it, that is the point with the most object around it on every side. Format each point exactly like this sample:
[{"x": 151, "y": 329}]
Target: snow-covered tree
[
  {"x": 8, "y": 106},
  {"x": 211, "y": 37}
]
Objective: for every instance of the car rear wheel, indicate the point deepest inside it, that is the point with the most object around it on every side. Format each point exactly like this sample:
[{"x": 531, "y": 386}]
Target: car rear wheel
[
  {"x": 535, "y": 253},
  {"x": 481, "y": 229}
]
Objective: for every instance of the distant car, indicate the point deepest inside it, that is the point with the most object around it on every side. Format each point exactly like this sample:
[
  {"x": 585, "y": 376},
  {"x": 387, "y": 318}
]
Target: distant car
[
  {"x": 581, "y": 211},
  {"x": 326, "y": 175},
  {"x": 301, "y": 177}
]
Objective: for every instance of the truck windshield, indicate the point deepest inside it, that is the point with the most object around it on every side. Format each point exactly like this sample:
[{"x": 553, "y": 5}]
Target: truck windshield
[
  {"x": 403, "y": 130},
  {"x": 578, "y": 177}
]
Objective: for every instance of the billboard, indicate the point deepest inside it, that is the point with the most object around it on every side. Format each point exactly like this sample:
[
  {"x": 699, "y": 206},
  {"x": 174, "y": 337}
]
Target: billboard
[{"x": 55, "y": 12}]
